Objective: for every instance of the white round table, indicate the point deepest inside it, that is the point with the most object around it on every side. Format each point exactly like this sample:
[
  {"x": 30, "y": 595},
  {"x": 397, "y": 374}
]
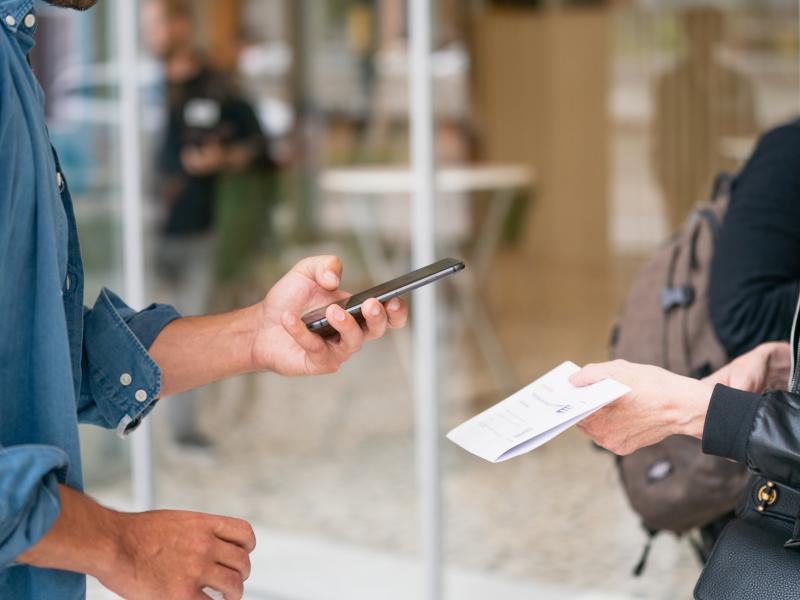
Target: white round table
[{"x": 364, "y": 187}]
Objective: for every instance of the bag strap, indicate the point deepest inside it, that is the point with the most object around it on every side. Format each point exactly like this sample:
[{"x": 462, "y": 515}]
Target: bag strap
[
  {"x": 769, "y": 499},
  {"x": 794, "y": 541},
  {"x": 639, "y": 568},
  {"x": 722, "y": 185}
]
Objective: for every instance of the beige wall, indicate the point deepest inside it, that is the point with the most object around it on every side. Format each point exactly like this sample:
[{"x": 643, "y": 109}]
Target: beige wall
[{"x": 542, "y": 87}]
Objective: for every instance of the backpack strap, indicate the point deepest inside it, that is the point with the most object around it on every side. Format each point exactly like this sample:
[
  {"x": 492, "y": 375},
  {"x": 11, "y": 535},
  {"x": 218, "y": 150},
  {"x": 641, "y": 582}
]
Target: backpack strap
[
  {"x": 722, "y": 185},
  {"x": 639, "y": 568},
  {"x": 713, "y": 222}
]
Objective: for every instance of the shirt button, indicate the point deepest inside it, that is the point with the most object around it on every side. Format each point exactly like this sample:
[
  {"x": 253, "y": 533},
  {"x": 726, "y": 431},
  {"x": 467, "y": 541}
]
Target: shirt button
[
  {"x": 140, "y": 395},
  {"x": 60, "y": 181},
  {"x": 125, "y": 379},
  {"x": 30, "y": 20},
  {"x": 11, "y": 21}
]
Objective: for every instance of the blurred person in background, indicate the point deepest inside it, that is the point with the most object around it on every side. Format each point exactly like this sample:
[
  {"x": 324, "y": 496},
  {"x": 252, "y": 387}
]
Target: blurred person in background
[
  {"x": 62, "y": 363},
  {"x": 212, "y": 183},
  {"x": 700, "y": 105}
]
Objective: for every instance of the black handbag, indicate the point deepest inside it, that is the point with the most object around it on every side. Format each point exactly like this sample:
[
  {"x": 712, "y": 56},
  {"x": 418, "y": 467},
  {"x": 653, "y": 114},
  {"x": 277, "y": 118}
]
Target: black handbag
[{"x": 758, "y": 554}]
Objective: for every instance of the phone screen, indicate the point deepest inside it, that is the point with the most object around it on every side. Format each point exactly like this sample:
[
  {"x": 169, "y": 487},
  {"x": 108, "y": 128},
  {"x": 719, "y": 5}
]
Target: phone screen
[{"x": 317, "y": 322}]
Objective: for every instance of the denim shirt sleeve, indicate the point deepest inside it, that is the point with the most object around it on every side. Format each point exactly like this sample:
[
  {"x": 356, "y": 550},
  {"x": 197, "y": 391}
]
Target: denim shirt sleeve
[
  {"x": 29, "y": 499},
  {"x": 120, "y": 381}
]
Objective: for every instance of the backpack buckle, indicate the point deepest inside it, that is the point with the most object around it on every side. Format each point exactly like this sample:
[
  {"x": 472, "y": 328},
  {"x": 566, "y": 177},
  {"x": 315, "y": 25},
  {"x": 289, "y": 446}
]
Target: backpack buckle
[{"x": 672, "y": 297}]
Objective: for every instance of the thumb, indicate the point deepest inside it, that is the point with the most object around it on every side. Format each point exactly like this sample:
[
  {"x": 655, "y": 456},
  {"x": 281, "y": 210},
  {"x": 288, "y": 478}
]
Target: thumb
[
  {"x": 590, "y": 374},
  {"x": 326, "y": 271}
]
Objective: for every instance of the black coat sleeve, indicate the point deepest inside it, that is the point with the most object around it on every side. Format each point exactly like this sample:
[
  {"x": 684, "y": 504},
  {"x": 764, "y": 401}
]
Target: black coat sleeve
[
  {"x": 755, "y": 271},
  {"x": 760, "y": 431}
]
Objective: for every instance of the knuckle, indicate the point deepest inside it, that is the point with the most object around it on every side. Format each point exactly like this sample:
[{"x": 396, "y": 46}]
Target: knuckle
[
  {"x": 248, "y": 534},
  {"x": 251, "y": 539},
  {"x": 329, "y": 261}
]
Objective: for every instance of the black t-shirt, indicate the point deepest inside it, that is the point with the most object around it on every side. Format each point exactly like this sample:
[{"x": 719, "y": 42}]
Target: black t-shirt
[
  {"x": 755, "y": 272},
  {"x": 200, "y": 110}
]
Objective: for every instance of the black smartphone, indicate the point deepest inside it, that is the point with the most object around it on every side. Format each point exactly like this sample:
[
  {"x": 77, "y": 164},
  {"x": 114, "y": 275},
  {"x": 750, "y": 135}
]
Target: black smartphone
[{"x": 317, "y": 322}]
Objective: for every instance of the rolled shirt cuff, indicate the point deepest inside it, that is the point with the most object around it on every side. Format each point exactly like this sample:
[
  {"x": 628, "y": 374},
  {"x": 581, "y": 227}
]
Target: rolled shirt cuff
[
  {"x": 148, "y": 323},
  {"x": 29, "y": 497},
  {"x": 123, "y": 378},
  {"x": 729, "y": 421}
]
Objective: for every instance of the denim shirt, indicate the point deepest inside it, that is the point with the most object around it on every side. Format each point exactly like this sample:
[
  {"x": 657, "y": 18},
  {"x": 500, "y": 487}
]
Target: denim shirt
[{"x": 60, "y": 363}]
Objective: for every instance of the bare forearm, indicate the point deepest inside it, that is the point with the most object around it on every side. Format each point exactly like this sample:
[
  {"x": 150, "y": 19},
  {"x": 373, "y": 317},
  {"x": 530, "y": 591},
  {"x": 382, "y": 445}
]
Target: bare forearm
[
  {"x": 194, "y": 351},
  {"x": 270, "y": 335},
  {"x": 82, "y": 540},
  {"x": 157, "y": 554}
]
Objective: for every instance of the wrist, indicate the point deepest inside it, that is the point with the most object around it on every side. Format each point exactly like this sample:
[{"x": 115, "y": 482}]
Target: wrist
[
  {"x": 84, "y": 538},
  {"x": 692, "y": 407},
  {"x": 245, "y": 328},
  {"x": 257, "y": 321},
  {"x": 108, "y": 555}
]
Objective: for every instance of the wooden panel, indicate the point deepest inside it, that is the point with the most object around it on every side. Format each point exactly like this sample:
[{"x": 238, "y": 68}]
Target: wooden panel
[{"x": 542, "y": 94}]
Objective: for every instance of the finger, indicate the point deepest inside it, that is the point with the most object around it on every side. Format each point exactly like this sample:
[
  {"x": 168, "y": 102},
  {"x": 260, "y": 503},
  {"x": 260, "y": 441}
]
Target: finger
[
  {"x": 305, "y": 338},
  {"x": 325, "y": 270},
  {"x": 234, "y": 557},
  {"x": 225, "y": 581},
  {"x": 397, "y": 311},
  {"x": 375, "y": 319},
  {"x": 235, "y": 531},
  {"x": 351, "y": 336}
]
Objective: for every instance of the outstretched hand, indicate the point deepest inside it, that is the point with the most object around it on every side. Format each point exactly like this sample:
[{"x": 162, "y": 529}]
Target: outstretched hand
[
  {"x": 659, "y": 404},
  {"x": 284, "y": 344}
]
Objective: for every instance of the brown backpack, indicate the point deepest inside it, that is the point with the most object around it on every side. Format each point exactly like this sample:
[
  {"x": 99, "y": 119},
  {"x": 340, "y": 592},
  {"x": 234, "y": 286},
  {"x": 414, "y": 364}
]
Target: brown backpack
[{"x": 665, "y": 321}]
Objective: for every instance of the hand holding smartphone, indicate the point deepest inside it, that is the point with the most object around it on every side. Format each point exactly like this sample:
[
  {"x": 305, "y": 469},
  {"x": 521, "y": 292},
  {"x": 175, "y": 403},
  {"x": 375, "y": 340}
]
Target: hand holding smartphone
[{"x": 317, "y": 322}]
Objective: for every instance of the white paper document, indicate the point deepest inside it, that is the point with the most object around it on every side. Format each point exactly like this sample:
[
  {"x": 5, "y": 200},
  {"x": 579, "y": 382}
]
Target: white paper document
[{"x": 534, "y": 415}]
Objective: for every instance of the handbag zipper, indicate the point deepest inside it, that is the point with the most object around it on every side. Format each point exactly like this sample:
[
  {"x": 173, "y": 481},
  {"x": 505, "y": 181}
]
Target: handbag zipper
[{"x": 795, "y": 349}]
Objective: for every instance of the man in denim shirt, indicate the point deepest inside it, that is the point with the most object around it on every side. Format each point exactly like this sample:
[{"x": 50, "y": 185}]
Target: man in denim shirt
[{"x": 61, "y": 364}]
